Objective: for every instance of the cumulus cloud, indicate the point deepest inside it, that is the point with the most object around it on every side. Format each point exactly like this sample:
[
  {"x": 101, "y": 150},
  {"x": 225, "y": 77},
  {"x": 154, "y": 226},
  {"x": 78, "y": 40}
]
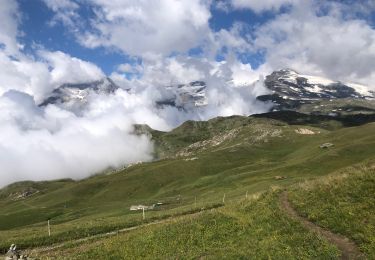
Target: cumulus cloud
[
  {"x": 67, "y": 69},
  {"x": 232, "y": 88},
  {"x": 52, "y": 142},
  {"x": 41, "y": 143},
  {"x": 326, "y": 38},
  {"x": 65, "y": 12},
  {"x": 263, "y": 5},
  {"x": 148, "y": 27},
  {"x": 8, "y": 29},
  {"x": 24, "y": 74},
  {"x": 39, "y": 77},
  {"x": 325, "y": 43},
  {"x": 48, "y": 143}
]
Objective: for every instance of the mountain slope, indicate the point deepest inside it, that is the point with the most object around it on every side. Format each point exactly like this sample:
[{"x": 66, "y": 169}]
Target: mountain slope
[
  {"x": 343, "y": 203},
  {"x": 231, "y": 155},
  {"x": 257, "y": 227},
  {"x": 290, "y": 90},
  {"x": 76, "y": 95}
]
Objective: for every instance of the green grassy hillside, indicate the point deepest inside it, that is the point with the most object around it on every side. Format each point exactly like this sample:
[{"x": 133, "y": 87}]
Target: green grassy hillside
[
  {"x": 202, "y": 162},
  {"x": 343, "y": 203},
  {"x": 255, "y": 227},
  {"x": 249, "y": 229}
]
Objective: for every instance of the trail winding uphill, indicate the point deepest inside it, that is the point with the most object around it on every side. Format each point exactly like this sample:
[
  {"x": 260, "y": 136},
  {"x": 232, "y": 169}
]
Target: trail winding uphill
[{"x": 348, "y": 248}]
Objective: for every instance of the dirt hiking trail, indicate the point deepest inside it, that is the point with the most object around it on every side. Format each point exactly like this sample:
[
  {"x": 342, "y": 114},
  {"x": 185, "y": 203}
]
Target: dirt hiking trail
[{"x": 348, "y": 248}]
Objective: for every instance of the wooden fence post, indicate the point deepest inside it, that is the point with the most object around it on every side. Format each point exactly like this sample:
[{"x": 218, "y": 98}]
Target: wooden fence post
[{"x": 49, "y": 228}]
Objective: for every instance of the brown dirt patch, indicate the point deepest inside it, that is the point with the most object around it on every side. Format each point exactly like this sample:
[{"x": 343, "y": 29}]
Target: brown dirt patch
[{"x": 348, "y": 248}]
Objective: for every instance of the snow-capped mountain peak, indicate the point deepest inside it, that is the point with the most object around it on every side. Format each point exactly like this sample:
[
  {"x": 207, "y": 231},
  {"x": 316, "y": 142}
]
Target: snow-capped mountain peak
[
  {"x": 288, "y": 89},
  {"x": 291, "y": 85},
  {"x": 185, "y": 96},
  {"x": 72, "y": 93}
]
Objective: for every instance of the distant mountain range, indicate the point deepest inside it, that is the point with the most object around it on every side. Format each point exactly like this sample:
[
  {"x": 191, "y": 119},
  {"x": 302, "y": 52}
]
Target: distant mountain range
[
  {"x": 288, "y": 91},
  {"x": 183, "y": 96}
]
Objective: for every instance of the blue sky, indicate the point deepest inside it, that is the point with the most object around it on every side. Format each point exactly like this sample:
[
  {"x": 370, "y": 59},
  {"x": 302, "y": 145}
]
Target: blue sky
[
  {"x": 39, "y": 27},
  {"x": 146, "y": 46},
  {"x": 266, "y": 35},
  {"x": 38, "y": 30}
]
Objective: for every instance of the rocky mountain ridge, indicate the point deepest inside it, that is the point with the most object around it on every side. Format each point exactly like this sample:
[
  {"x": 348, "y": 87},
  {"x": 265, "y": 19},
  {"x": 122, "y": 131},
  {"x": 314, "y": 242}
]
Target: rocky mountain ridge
[
  {"x": 76, "y": 93},
  {"x": 289, "y": 90}
]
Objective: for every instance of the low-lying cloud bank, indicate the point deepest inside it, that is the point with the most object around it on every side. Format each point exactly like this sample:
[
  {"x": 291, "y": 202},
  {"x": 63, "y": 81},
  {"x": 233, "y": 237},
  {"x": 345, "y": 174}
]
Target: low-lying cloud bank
[
  {"x": 47, "y": 143},
  {"x": 50, "y": 142},
  {"x": 164, "y": 43}
]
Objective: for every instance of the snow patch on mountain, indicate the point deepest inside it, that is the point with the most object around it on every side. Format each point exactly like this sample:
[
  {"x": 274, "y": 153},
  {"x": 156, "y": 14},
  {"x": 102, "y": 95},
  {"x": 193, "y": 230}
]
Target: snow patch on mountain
[
  {"x": 286, "y": 89},
  {"x": 363, "y": 90},
  {"x": 76, "y": 95},
  {"x": 289, "y": 84},
  {"x": 315, "y": 80}
]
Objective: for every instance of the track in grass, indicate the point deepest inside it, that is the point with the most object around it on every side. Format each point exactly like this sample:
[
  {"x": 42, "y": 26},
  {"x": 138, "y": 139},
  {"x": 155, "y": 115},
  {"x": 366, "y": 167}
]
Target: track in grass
[
  {"x": 348, "y": 248},
  {"x": 39, "y": 250}
]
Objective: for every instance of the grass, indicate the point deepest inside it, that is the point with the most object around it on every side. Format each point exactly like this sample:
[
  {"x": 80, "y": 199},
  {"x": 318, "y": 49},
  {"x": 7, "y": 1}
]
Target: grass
[
  {"x": 249, "y": 229},
  {"x": 343, "y": 203},
  {"x": 346, "y": 106},
  {"x": 36, "y": 235},
  {"x": 255, "y": 227},
  {"x": 249, "y": 161}
]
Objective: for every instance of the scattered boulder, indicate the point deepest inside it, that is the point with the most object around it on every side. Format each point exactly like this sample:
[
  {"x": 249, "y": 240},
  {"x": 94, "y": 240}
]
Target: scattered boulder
[
  {"x": 304, "y": 131},
  {"x": 326, "y": 145},
  {"x": 23, "y": 194},
  {"x": 15, "y": 254},
  {"x": 191, "y": 159},
  {"x": 280, "y": 177},
  {"x": 145, "y": 207},
  {"x": 141, "y": 207}
]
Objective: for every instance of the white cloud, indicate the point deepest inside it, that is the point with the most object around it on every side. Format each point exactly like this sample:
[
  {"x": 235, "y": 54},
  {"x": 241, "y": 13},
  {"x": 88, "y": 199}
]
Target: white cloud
[
  {"x": 39, "y": 78},
  {"x": 320, "y": 37},
  {"x": 128, "y": 68},
  {"x": 8, "y": 29},
  {"x": 57, "y": 5},
  {"x": 230, "y": 89},
  {"x": 24, "y": 74},
  {"x": 65, "y": 12},
  {"x": 67, "y": 69},
  {"x": 27, "y": 74},
  {"x": 232, "y": 40},
  {"x": 311, "y": 42},
  {"x": 50, "y": 143},
  {"x": 148, "y": 27},
  {"x": 262, "y": 5},
  {"x": 47, "y": 143}
]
